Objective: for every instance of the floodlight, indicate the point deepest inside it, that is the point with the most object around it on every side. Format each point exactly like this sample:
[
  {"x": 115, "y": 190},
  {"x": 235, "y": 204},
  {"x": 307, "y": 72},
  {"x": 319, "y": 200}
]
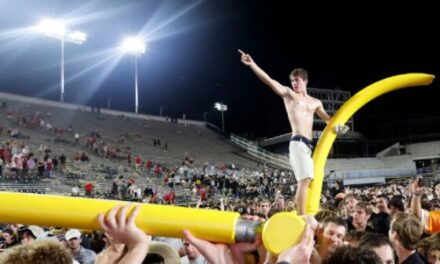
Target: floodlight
[
  {"x": 52, "y": 28},
  {"x": 56, "y": 29},
  {"x": 222, "y": 108},
  {"x": 134, "y": 45}
]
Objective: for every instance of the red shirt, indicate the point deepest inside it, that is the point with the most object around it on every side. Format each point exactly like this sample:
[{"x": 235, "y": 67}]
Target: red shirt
[
  {"x": 89, "y": 187},
  {"x": 169, "y": 197},
  {"x": 203, "y": 194}
]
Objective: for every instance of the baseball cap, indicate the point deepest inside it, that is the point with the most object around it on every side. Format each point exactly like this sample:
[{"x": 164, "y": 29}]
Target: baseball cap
[
  {"x": 36, "y": 231},
  {"x": 72, "y": 233}
]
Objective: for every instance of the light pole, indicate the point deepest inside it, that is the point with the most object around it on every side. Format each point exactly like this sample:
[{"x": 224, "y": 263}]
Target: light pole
[
  {"x": 57, "y": 30},
  {"x": 222, "y": 108},
  {"x": 135, "y": 46}
]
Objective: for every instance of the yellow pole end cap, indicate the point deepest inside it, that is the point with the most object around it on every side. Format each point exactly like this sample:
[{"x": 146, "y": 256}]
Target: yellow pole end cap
[{"x": 282, "y": 231}]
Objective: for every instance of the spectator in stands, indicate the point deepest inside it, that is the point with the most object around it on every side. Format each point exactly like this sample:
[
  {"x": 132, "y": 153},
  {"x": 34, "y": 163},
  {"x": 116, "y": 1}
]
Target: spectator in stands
[
  {"x": 138, "y": 162},
  {"x": 129, "y": 157},
  {"x": 84, "y": 157},
  {"x": 79, "y": 253},
  {"x": 157, "y": 170},
  {"x": 88, "y": 188},
  {"x": 115, "y": 188},
  {"x": 77, "y": 156},
  {"x": 55, "y": 163},
  {"x": 300, "y": 109},
  {"x": 148, "y": 165},
  {"x": 75, "y": 190},
  {"x": 31, "y": 165},
  {"x": 169, "y": 197},
  {"x": 40, "y": 169},
  {"x": 203, "y": 194},
  {"x": 62, "y": 162},
  {"x": 48, "y": 168}
]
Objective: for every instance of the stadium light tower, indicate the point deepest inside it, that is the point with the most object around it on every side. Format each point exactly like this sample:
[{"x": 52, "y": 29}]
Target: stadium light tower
[
  {"x": 56, "y": 29},
  {"x": 222, "y": 108},
  {"x": 137, "y": 47}
]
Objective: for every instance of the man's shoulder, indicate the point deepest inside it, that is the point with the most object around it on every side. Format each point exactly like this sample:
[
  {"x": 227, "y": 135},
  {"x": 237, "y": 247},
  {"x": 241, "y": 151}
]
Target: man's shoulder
[{"x": 314, "y": 99}]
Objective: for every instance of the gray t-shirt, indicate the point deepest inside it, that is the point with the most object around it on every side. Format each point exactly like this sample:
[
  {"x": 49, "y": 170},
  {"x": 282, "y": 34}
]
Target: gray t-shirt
[{"x": 85, "y": 256}]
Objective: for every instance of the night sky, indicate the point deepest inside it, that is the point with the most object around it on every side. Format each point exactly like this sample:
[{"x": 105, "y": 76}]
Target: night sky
[{"x": 192, "y": 59}]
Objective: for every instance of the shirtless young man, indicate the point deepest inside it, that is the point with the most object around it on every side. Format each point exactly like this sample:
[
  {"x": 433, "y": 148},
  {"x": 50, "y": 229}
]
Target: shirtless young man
[{"x": 300, "y": 109}]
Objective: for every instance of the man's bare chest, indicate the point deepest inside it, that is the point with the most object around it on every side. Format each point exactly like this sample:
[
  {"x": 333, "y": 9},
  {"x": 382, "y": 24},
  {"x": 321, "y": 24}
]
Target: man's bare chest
[{"x": 301, "y": 105}]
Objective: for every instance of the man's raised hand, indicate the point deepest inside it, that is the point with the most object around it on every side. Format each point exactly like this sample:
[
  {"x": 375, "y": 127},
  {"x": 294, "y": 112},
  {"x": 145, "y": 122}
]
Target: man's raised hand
[{"x": 245, "y": 58}]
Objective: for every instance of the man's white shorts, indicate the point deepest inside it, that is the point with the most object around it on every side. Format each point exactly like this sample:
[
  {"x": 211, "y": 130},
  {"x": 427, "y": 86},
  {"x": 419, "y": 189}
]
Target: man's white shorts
[{"x": 300, "y": 156}]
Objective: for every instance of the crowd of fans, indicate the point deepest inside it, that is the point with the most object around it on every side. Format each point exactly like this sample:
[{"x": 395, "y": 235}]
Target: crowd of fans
[{"x": 394, "y": 223}]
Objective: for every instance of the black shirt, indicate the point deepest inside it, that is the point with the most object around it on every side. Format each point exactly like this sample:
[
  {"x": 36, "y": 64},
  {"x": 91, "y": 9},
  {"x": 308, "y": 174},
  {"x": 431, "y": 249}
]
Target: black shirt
[
  {"x": 413, "y": 259},
  {"x": 381, "y": 223}
]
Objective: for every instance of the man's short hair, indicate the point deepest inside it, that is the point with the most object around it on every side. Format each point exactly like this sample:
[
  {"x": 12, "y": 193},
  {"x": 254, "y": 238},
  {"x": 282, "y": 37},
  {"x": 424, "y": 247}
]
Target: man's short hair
[
  {"x": 265, "y": 201},
  {"x": 397, "y": 201},
  {"x": 43, "y": 251},
  {"x": 365, "y": 206},
  {"x": 335, "y": 220},
  {"x": 408, "y": 228},
  {"x": 385, "y": 197},
  {"x": 352, "y": 196},
  {"x": 324, "y": 214},
  {"x": 350, "y": 255},
  {"x": 300, "y": 73},
  {"x": 354, "y": 236},
  {"x": 374, "y": 240},
  {"x": 429, "y": 245}
]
